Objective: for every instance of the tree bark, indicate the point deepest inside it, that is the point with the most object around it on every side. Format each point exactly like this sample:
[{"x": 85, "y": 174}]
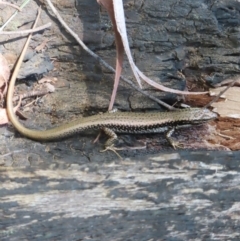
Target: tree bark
[{"x": 67, "y": 190}]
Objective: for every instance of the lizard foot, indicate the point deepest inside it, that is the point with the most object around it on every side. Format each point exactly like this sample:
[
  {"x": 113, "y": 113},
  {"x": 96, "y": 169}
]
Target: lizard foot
[
  {"x": 113, "y": 149},
  {"x": 176, "y": 145}
]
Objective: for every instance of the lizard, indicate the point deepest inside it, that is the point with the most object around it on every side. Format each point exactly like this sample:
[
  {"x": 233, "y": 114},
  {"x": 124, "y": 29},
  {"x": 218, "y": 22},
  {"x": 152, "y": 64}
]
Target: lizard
[{"x": 110, "y": 122}]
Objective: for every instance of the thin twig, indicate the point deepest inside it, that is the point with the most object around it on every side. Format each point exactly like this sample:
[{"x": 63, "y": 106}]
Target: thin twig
[
  {"x": 24, "y": 32},
  {"x": 28, "y": 104},
  {"x": 11, "y": 5},
  {"x": 31, "y": 94},
  {"x": 101, "y": 61}
]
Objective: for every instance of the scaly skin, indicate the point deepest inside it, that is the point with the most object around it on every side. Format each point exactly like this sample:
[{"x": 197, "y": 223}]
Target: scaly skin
[{"x": 121, "y": 122}]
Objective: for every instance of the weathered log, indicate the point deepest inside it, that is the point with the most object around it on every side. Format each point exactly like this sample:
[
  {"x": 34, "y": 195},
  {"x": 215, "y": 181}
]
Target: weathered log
[
  {"x": 68, "y": 191},
  {"x": 167, "y": 196}
]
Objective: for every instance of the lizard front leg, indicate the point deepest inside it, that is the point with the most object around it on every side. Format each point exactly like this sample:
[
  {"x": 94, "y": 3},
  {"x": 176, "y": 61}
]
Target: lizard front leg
[{"x": 174, "y": 144}]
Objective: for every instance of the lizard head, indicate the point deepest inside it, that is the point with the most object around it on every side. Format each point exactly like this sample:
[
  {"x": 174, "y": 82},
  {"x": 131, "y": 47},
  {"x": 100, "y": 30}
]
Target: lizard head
[{"x": 201, "y": 115}]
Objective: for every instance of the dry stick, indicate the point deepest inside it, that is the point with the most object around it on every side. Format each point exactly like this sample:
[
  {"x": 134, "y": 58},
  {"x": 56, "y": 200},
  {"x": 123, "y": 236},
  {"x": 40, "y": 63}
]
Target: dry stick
[
  {"x": 101, "y": 61},
  {"x": 24, "y": 32},
  {"x": 28, "y": 104},
  {"x": 31, "y": 94},
  {"x": 11, "y": 5}
]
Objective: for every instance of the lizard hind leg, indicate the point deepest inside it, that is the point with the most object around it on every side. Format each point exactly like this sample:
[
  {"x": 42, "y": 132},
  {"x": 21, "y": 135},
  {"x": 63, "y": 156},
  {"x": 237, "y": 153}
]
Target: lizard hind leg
[
  {"x": 109, "y": 144},
  {"x": 112, "y": 137}
]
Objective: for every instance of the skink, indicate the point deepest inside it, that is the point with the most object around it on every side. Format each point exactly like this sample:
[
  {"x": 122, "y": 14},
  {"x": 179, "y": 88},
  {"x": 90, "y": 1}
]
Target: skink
[{"x": 120, "y": 122}]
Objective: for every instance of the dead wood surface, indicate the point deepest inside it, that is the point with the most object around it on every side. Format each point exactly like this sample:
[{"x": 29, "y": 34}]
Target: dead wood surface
[
  {"x": 67, "y": 190},
  {"x": 167, "y": 196},
  {"x": 188, "y": 44}
]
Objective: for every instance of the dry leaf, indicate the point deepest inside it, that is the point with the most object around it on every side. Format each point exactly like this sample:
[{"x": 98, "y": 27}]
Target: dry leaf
[
  {"x": 116, "y": 12},
  {"x": 4, "y": 71},
  {"x": 230, "y": 107},
  {"x": 11, "y": 58},
  {"x": 3, "y": 115}
]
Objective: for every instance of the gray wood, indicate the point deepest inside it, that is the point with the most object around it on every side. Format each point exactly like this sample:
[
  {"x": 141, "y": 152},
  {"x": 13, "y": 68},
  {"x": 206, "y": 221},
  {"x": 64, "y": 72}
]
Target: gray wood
[
  {"x": 68, "y": 191},
  {"x": 167, "y": 196}
]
